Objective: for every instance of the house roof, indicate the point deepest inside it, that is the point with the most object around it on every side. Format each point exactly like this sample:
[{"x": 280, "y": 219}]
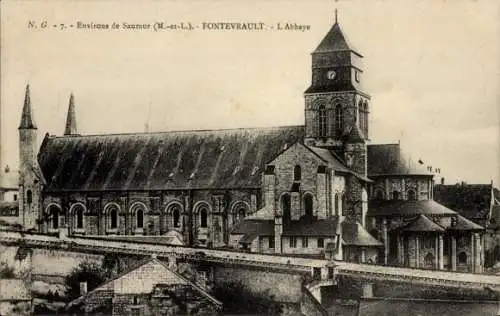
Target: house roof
[
  {"x": 422, "y": 224},
  {"x": 421, "y": 307},
  {"x": 354, "y": 234},
  {"x": 232, "y": 158},
  {"x": 406, "y": 208},
  {"x": 470, "y": 200},
  {"x": 389, "y": 159},
  {"x": 14, "y": 290},
  {"x": 252, "y": 228},
  {"x": 322, "y": 227},
  {"x": 149, "y": 260}
]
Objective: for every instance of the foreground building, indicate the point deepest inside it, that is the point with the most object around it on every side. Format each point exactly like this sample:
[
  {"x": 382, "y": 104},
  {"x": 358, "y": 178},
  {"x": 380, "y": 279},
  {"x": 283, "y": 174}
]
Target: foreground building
[
  {"x": 318, "y": 189},
  {"x": 150, "y": 288}
]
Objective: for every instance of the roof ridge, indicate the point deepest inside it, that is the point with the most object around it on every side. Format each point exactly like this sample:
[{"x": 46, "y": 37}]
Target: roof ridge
[{"x": 178, "y": 131}]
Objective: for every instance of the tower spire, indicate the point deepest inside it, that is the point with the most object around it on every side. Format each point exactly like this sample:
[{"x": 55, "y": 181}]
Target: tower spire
[
  {"x": 71, "y": 118},
  {"x": 336, "y": 16},
  {"x": 27, "y": 121}
]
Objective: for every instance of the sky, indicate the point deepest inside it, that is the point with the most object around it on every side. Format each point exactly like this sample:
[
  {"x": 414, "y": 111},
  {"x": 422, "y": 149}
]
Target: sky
[{"x": 432, "y": 69}]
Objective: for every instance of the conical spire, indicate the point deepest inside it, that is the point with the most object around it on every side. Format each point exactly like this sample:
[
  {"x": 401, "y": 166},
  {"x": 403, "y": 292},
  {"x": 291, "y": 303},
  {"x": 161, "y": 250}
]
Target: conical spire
[
  {"x": 71, "y": 118},
  {"x": 334, "y": 40},
  {"x": 27, "y": 121}
]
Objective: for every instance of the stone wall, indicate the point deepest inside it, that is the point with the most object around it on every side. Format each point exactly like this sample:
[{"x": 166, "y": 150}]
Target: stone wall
[
  {"x": 284, "y": 286},
  {"x": 225, "y": 209}
]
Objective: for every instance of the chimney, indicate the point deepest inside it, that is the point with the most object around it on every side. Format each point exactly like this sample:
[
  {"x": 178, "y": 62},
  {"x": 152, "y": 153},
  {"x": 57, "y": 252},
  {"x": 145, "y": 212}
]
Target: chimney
[
  {"x": 367, "y": 290},
  {"x": 83, "y": 288},
  {"x": 442, "y": 180}
]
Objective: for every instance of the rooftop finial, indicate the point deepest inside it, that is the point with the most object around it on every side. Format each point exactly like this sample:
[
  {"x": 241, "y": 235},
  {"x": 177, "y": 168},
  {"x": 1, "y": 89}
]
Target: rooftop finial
[{"x": 336, "y": 15}]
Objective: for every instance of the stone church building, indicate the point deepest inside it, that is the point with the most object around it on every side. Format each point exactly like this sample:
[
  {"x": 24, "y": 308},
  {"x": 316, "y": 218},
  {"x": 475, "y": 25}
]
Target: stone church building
[{"x": 318, "y": 189}]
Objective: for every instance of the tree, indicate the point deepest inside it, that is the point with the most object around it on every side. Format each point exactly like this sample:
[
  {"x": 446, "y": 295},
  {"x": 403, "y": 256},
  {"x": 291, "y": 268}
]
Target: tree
[
  {"x": 238, "y": 299},
  {"x": 89, "y": 272}
]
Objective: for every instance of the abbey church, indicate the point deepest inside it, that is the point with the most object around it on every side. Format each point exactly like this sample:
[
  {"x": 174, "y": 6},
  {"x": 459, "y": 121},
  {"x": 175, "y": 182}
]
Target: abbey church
[{"x": 319, "y": 189}]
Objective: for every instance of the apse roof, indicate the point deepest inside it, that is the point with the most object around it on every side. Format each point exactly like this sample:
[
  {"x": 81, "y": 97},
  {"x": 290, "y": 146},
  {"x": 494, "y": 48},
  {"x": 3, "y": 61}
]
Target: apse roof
[
  {"x": 389, "y": 159},
  {"x": 407, "y": 208},
  {"x": 422, "y": 224}
]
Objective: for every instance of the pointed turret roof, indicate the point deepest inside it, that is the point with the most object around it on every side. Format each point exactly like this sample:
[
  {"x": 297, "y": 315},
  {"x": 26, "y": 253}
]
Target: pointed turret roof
[
  {"x": 334, "y": 41},
  {"x": 355, "y": 134},
  {"x": 71, "y": 118},
  {"x": 27, "y": 121}
]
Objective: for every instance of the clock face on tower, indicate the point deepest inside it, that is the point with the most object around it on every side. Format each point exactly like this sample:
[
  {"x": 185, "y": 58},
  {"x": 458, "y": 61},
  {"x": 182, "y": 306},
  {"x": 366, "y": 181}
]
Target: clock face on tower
[{"x": 330, "y": 75}]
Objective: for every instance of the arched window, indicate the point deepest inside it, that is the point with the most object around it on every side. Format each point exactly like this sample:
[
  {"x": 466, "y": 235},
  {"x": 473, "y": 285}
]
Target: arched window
[
  {"x": 308, "y": 206},
  {"x": 176, "y": 216},
  {"x": 29, "y": 197},
  {"x": 286, "y": 207},
  {"x": 139, "y": 215},
  {"x": 203, "y": 217},
  {"x": 322, "y": 122},
  {"x": 366, "y": 117},
  {"x": 395, "y": 195},
  {"x": 113, "y": 218},
  {"x": 297, "y": 173},
  {"x": 78, "y": 214},
  {"x": 379, "y": 194},
  {"x": 238, "y": 212},
  {"x": 54, "y": 216},
  {"x": 241, "y": 213},
  {"x": 338, "y": 118},
  {"x": 411, "y": 195},
  {"x": 462, "y": 258},
  {"x": 337, "y": 202}
]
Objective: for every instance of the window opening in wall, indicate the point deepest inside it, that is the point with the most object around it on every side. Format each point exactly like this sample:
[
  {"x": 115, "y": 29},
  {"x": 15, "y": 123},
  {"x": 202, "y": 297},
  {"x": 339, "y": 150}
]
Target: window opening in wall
[
  {"x": 395, "y": 195},
  {"x": 203, "y": 217},
  {"x": 54, "y": 213},
  {"x": 176, "y": 216},
  {"x": 305, "y": 242},
  {"x": 321, "y": 243},
  {"x": 271, "y": 242},
  {"x": 15, "y": 197},
  {"x": 308, "y": 206},
  {"x": 293, "y": 242},
  {"x": 337, "y": 202},
  {"x": 79, "y": 217},
  {"x": 322, "y": 124},
  {"x": 338, "y": 118},
  {"x": 297, "y": 173},
  {"x": 113, "y": 214},
  {"x": 379, "y": 195},
  {"x": 462, "y": 258},
  {"x": 411, "y": 195},
  {"x": 140, "y": 218},
  {"x": 29, "y": 197},
  {"x": 286, "y": 207}
]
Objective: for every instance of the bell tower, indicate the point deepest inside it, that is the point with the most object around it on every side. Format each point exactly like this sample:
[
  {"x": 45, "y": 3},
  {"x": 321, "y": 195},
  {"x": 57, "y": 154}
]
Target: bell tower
[{"x": 335, "y": 102}]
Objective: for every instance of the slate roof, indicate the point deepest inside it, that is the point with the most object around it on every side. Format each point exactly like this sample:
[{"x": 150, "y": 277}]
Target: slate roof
[
  {"x": 406, "y": 208},
  {"x": 322, "y": 227},
  {"x": 354, "y": 234},
  {"x": 422, "y": 224},
  {"x": 465, "y": 224},
  {"x": 389, "y": 159},
  {"x": 27, "y": 120},
  {"x": 14, "y": 290},
  {"x": 223, "y": 159},
  {"x": 424, "y": 307},
  {"x": 470, "y": 200},
  {"x": 334, "y": 41}
]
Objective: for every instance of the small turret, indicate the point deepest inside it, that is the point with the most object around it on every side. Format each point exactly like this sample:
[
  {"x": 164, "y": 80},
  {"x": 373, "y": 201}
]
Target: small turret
[
  {"x": 70, "y": 128},
  {"x": 29, "y": 186}
]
